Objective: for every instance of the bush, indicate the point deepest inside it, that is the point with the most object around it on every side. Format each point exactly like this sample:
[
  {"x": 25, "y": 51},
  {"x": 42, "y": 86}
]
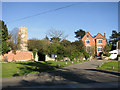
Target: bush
[
  {"x": 107, "y": 48},
  {"x": 86, "y": 55},
  {"x": 35, "y": 52},
  {"x": 81, "y": 56},
  {"x": 76, "y": 55},
  {"x": 107, "y": 54},
  {"x": 59, "y": 57}
]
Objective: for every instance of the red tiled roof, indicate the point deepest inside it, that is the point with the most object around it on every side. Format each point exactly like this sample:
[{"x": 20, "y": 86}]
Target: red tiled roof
[{"x": 99, "y": 34}]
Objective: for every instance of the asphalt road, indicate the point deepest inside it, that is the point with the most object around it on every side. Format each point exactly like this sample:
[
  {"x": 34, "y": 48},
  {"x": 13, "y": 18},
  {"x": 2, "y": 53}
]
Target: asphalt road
[{"x": 81, "y": 75}]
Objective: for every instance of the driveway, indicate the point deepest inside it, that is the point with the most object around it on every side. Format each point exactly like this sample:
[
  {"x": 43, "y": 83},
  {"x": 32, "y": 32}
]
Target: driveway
[{"x": 78, "y": 75}]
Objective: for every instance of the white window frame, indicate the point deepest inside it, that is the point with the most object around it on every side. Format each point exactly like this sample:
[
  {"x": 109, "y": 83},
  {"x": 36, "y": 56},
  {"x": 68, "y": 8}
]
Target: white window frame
[
  {"x": 99, "y": 47},
  {"x": 98, "y": 40},
  {"x": 86, "y": 41}
]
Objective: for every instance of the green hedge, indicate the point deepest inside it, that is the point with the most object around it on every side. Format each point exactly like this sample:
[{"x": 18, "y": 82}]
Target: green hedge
[{"x": 86, "y": 55}]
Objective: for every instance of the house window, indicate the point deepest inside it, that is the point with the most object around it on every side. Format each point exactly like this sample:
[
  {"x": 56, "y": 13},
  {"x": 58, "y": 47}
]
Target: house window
[
  {"x": 99, "y": 49},
  {"x": 99, "y": 40},
  {"x": 87, "y": 41},
  {"x": 87, "y": 36}
]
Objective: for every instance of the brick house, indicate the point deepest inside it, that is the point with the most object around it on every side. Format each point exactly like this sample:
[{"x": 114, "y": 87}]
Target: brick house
[{"x": 98, "y": 42}]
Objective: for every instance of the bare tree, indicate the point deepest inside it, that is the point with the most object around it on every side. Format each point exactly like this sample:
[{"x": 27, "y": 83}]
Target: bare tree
[
  {"x": 14, "y": 39},
  {"x": 56, "y": 34}
]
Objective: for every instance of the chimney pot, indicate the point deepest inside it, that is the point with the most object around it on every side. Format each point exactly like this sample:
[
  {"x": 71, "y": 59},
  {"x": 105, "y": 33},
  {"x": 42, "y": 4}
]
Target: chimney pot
[{"x": 105, "y": 34}]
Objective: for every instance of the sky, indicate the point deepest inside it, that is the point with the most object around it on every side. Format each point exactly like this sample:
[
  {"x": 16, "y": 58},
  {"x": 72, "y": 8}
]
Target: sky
[{"x": 93, "y": 17}]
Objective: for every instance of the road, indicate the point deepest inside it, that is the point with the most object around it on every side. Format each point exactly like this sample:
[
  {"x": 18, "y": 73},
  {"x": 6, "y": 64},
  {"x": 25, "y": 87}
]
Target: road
[{"x": 81, "y": 75}]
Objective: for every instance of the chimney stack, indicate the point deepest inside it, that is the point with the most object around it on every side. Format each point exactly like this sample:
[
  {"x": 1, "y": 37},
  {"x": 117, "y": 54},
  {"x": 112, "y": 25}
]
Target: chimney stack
[{"x": 105, "y": 34}]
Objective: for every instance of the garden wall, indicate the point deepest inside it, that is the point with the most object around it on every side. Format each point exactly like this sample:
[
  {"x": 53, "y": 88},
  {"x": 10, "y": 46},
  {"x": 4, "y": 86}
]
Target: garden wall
[{"x": 17, "y": 56}]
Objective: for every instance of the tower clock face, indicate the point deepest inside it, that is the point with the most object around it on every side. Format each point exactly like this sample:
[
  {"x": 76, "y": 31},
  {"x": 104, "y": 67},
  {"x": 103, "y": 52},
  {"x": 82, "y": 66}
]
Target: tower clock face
[{"x": 23, "y": 36}]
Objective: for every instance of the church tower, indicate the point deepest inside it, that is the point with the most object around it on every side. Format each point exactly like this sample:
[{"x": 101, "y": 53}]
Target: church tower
[{"x": 23, "y": 38}]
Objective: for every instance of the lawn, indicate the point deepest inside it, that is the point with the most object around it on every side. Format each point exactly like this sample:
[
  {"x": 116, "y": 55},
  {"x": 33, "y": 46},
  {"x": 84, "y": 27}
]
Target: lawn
[
  {"x": 22, "y": 68},
  {"x": 111, "y": 66}
]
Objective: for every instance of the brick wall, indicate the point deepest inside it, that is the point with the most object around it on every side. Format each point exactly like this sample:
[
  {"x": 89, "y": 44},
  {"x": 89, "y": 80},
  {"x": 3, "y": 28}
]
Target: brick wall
[{"x": 18, "y": 56}]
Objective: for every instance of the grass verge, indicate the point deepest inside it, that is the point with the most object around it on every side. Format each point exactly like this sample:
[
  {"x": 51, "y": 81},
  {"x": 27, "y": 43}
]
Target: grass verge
[
  {"x": 111, "y": 66},
  {"x": 11, "y": 69}
]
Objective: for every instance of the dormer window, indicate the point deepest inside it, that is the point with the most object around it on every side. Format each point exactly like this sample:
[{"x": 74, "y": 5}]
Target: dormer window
[
  {"x": 99, "y": 41},
  {"x": 87, "y": 36}
]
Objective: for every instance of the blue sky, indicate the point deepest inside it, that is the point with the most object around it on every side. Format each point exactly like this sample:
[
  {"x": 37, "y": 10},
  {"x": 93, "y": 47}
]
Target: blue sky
[{"x": 93, "y": 17}]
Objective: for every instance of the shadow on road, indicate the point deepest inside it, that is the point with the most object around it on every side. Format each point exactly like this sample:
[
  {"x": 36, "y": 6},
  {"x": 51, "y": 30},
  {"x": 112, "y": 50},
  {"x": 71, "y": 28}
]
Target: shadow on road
[
  {"x": 61, "y": 76},
  {"x": 65, "y": 76},
  {"x": 104, "y": 71}
]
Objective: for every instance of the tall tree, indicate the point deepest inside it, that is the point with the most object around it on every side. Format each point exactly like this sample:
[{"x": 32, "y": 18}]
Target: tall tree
[
  {"x": 65, "y": 43},
  {"x": 52, "y": 48},
  {"x": 40, "y": 45},
  {"x": 114, "y": 38},
  {"x": 79, "y": 45},
  {"x": 5, "y": 37},
  {"x": 79, "y": 34}
]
